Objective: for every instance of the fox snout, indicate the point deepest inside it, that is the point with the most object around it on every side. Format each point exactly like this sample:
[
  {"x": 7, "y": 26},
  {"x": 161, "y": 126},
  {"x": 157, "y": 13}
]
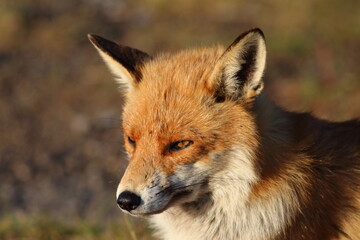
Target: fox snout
[{"x": 159, "y": 191}]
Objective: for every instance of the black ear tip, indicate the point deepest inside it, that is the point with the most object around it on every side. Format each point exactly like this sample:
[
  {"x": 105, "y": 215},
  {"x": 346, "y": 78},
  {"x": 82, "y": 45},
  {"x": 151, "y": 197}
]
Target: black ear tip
[
  {"x": 93, "y": 38},
  {"x": 90, "y": 36},
  {"x": 252, "y": 32},
  {"x": 100, "y": 42},
  {"x": 258, "y": 31}
]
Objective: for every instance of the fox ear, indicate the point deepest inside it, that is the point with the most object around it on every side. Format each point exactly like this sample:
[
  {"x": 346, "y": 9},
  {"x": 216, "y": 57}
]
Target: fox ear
[
  {"x": 238, "y": 74},
  {"x": 124, "y": 62}
]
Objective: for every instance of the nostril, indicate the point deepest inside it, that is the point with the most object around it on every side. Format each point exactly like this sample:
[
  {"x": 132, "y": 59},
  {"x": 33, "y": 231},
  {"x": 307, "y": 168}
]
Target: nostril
[{"x": 128, "y": 201}]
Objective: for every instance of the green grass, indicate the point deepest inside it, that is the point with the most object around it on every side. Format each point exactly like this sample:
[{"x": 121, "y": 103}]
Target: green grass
[{"x": 44, "y": 228}]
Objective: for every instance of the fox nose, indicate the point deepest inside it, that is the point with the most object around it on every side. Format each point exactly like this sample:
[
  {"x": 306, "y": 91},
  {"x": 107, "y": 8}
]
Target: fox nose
[{"x": 128, "y": 201}]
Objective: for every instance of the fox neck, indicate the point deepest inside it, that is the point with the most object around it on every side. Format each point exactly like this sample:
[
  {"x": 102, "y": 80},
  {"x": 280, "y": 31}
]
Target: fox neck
[
  {"x": 253, "y": 194},
  {"x": 256, "y": 215},
  {"x": 280, "y": 134}
]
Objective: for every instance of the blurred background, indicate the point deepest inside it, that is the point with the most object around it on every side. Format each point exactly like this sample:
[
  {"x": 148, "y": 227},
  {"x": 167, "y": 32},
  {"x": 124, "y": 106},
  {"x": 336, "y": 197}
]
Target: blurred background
[{"x": 61, "y": 154}]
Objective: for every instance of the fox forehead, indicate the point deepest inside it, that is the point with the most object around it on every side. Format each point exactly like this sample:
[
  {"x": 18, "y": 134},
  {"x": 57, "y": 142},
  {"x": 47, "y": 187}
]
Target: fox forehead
[
  {"x": 169, "y": 114},
  {"x": 172, "y": 92},
  {"x": 183, "y": 70}
]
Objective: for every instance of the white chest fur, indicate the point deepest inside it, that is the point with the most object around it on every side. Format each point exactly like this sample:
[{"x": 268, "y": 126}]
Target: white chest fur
[{"x": 228, "y": 213}]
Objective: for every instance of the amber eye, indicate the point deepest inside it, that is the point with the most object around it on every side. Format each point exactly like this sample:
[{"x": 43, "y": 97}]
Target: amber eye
[
  {"x": 132, "y": 142},
  {"x": 179, "y": 145}
]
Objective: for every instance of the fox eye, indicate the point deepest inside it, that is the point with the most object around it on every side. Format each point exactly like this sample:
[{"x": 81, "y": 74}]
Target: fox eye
[
  {"x": 179, "y": 145},
  {"x": 132, "y": 142}
]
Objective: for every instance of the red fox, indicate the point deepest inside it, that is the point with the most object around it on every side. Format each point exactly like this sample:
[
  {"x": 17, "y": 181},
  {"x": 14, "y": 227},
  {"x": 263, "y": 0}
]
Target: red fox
[{"x": 212, "y": 158}]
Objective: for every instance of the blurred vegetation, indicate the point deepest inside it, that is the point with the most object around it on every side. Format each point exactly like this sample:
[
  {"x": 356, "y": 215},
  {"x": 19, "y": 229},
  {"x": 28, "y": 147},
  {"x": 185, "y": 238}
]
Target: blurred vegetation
[
  {"x": 48, "y": 228},
  {"x": 60, "y": 129}
]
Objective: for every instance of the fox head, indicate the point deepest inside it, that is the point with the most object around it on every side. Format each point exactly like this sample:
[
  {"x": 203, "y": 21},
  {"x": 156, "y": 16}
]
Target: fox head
[{"x": 185, "y": 113}]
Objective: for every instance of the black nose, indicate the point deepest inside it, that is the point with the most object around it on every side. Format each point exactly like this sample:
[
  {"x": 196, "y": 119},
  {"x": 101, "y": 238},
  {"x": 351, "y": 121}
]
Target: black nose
[{"x": 128, "y": 201}]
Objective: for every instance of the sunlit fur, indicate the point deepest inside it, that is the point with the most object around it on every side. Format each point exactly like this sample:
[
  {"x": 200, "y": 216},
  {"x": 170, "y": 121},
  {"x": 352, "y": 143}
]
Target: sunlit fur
[{"x": 254, "y": 172}]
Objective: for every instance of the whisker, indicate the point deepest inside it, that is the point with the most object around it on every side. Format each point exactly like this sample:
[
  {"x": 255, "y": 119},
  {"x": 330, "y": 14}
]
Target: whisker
[
  {"x": 209, "y": 179},
  {"x": 181, "y": 187}
]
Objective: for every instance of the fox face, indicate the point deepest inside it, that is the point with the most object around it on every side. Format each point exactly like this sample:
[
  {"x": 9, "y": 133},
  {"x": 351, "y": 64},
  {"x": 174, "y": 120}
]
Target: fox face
[{"x": 185, "y": 114}]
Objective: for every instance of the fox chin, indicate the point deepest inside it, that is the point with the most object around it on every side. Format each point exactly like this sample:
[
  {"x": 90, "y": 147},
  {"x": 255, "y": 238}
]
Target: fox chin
[{"x": 211, "y": 157}]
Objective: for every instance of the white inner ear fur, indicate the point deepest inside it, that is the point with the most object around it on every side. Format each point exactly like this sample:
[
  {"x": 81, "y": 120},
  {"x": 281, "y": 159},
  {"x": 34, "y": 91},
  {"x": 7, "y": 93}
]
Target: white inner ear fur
[
  {"x": 233, "y": 61},
  {"x": 121, "y": 75}
]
